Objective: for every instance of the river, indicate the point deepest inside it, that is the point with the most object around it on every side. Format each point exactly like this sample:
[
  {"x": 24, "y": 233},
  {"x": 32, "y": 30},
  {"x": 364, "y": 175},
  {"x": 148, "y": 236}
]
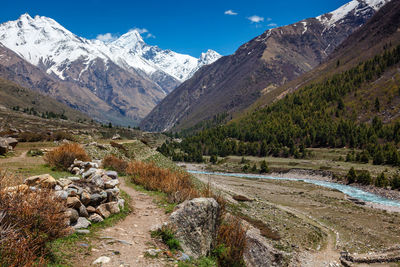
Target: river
[{"x": 346, "y": 189}]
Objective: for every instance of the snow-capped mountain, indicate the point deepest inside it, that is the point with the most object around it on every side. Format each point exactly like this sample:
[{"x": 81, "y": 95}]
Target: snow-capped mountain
[
  {"x": 119, "y": 81},
  {"x": 44, "y": 42},
  {"x": 258, "y": 68},
  {"x": 357, "y": 7}
]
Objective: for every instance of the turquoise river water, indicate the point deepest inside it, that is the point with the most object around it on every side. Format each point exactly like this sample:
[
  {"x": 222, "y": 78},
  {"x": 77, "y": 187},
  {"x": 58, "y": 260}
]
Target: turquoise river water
[{"x": 346, "y": 189}]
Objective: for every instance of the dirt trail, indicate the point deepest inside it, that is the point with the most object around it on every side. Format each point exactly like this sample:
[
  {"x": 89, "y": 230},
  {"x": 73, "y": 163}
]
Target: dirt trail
[{"x": 126, "y": 242}]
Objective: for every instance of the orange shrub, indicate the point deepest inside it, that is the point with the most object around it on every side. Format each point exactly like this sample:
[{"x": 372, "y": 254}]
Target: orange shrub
[
  {"x": 63, "y": 156},
  {"x": 178, "y": 186},
  {"x": 231, "y": 241},
  {"x": 116, "y": 164},
  {"x": 28, "y": 221}
]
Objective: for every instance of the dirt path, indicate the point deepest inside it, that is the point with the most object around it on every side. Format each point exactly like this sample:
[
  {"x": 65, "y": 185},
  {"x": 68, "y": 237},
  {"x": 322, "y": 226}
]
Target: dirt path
[{"x": 126, "y": 242}]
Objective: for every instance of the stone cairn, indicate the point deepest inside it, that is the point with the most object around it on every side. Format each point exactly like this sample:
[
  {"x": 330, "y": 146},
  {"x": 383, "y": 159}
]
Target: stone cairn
[{"x": 92, "y": 195}]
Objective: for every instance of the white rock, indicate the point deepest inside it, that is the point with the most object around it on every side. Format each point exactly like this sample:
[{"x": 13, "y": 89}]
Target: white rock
[{"x": 102, "y": 260}]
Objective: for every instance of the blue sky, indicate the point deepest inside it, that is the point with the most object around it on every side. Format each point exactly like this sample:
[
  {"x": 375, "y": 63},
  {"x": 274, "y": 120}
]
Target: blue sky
[{"x": 184, "y": 26}]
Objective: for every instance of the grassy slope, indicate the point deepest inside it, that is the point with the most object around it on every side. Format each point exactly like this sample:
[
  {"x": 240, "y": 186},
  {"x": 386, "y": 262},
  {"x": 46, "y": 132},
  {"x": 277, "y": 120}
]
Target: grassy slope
[{"x": 12, "y": 95}]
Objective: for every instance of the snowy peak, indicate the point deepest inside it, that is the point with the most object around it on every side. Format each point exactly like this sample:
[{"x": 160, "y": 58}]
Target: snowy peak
[
  {"x": 356, "y": 7},
  {"x": 129, "y": 40},
  {"x": 44, "y": 42},
  {"x": 208, "y": 57}
]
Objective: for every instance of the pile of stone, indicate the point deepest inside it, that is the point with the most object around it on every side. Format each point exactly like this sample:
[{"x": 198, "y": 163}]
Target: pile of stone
[
  {"x": 91, "y": 196},
  {"x": 7, "y": 144}
]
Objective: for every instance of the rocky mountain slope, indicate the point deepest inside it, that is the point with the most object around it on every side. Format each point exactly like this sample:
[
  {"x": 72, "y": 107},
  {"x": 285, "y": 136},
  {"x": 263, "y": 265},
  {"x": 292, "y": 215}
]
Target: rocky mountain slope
[
  {"x": 260, "y": 66},
  {"x": 127, "y": 75},
  {"x": 379, "y": 35}
]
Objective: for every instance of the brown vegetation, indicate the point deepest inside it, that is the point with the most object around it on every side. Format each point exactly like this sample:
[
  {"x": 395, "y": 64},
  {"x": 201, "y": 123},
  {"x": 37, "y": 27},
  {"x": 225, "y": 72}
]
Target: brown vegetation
[
  {"x": 28, "y": 221},
  {"x": 241, "y": 198},
  {"x": 116, "y": 164},
  {"x": 42, "y": 136},
  {"x": 119, "y": 146},
  {"x": 231, "y": 241},
  {"x": 178, "y": 186},
  {"x": 63, "y": 156}
]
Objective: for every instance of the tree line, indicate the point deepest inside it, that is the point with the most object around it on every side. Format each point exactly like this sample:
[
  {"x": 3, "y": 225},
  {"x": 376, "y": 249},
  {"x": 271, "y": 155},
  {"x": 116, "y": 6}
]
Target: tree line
[{"x": 314, "y": 116}]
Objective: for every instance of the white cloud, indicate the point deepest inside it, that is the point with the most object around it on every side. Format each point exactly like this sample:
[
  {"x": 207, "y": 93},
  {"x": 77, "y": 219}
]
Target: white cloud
[
  {"x": 149, "y": 35},
  {"x": 142, "y": 31},
  {"x": 107, "y": 37},
  {"x": 256, "y": 19},
  {"x": 139, "y": 30},
  {"x": 272, "y": 25},
  {"x": 230, "y": 12}
]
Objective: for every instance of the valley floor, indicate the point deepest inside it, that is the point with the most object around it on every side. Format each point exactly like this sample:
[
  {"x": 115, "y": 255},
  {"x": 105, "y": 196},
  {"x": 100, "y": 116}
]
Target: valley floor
[{"x": 314, "y": 223}]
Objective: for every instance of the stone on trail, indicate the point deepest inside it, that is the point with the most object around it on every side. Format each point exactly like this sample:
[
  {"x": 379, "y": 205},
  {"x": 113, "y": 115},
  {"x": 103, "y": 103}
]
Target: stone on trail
[
  {"x": 95, "y": 218},
  {"x": 81, "y": 223},
  {"x": 82, "y": 231},
  {"x": 113, "y": 207},
  {"x": 102, "y": 260}
]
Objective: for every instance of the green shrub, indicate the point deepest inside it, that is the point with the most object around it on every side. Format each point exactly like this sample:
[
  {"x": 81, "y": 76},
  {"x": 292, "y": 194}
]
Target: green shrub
[{"x": 167, "y": 235}]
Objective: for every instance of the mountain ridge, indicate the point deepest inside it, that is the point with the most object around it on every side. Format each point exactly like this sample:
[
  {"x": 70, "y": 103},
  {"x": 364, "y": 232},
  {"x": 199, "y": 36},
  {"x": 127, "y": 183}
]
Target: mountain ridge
[
  {"x": 119, "y": 82},
  {"x": 259, "y": 66}
]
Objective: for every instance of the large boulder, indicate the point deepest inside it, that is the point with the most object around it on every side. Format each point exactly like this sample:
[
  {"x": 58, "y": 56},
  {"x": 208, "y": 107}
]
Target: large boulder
[
  {"x": 7, "y": 144},
  {"x": 3, "y": 147},
  {"x": 195, "y": 223},
  {"x": 12, "y": 142},
  {"x": 258, "y": 251}
]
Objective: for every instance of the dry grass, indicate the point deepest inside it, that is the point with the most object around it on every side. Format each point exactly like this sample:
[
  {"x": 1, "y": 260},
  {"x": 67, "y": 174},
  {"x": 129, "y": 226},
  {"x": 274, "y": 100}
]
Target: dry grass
[
  {"x": 116, "y": 164},
  {"x": 119, "y": 146},
  {"x": 177, "y": 186},
  {"x": 43, "y": 136},
  {"x": 63, "y": 156},
  {"x": 28, "y": 221},
  {"x": 231, "y": 241}
]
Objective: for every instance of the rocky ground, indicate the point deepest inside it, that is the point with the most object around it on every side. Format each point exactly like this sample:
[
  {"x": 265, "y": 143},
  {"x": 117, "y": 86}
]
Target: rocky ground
[{"x": 314, "y": 224}]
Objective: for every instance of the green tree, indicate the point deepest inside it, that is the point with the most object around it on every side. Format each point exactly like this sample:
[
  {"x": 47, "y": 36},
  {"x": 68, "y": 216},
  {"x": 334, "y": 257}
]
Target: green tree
[
  {"x": 377, "y": 105},
  {"x": 364, "y": 178},
  {"x": 264, "y": 167},
  {"x": 381, "y": 180},
  {"x": 395, "y": 181},
  {"x": 254, "y": 168},
  {"x": 378, "y": 157},
  {"x": 351, "y": 176},
  {"x": 213, "y": 159}
]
